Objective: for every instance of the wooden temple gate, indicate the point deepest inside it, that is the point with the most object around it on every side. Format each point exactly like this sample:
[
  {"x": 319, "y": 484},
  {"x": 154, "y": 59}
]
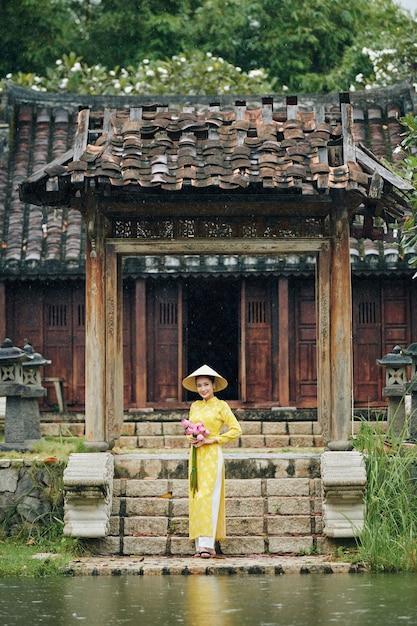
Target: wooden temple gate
[
  {"x": 104, "y": 324},
  {"x": 249, "y": 214}
]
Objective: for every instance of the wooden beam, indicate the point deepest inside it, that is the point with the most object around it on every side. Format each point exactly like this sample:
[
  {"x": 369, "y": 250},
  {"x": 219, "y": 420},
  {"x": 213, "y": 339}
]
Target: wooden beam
[
  {"x": 80, "y": 143},
  {"x": 367, "y": 159},
  {"x": 346, "y": 110},
  {"x": 138, "y": 247},
  {"x": 124, "y": 204}
]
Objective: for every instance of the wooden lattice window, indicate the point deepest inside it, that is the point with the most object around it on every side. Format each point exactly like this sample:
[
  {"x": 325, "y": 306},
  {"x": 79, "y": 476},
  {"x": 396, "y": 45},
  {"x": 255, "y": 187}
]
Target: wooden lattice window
[
  {"x": 168, "y": 313},
  {"x": 367, "y": 312},
  {"x": 81, "y": 315},
  {"x": 57, "y": 315},
  {"x": 256, "y": 312}
]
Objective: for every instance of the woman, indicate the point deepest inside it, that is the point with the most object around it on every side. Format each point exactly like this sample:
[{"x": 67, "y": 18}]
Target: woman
[{"x": 207, "y": 504}]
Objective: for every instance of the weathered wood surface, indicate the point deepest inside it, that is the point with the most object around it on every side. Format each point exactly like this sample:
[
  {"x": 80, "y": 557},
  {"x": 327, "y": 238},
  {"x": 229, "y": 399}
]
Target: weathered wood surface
[
  {"x": 129, "y": 247},
  {"x": 341, "y": 321},
  {"x": 95, "y": 309},
  {"x": 114, "y": 345}
]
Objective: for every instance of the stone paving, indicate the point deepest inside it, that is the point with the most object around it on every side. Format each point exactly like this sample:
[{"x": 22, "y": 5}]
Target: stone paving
[{"x": 270, "y": 565}]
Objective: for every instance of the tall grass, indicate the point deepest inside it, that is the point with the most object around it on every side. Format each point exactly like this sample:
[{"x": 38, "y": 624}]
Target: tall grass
[{"x": 388, "y": 541}]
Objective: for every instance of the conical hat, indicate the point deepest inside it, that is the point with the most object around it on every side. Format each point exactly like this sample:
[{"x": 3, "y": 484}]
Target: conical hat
[{"x": 190, "y": 381}]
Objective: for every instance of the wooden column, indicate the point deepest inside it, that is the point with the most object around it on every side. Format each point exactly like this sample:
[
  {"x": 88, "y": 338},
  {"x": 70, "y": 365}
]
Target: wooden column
[
  {"x": 340, "y": 324},
  {"x": 113, "y": 298},
  {"x": 140, "y": 343},
  {"x": 95, "y": 359},
  {"x": 283, "y": 348},
  {"x": 324, "y": 399}
]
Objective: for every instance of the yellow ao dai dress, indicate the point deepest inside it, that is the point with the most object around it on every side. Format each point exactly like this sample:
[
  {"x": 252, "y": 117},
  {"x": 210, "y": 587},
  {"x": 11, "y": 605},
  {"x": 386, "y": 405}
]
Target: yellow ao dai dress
[{"x": 214, "y": 414}]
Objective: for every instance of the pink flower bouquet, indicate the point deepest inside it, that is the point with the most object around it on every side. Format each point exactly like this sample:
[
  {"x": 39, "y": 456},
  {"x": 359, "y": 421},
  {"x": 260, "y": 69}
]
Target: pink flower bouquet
[{"x": 199, "y": 431}]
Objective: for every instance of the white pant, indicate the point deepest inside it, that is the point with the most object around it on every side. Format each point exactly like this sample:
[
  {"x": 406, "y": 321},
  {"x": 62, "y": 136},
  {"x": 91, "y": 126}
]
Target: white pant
[{"x": 208, "y": 542}]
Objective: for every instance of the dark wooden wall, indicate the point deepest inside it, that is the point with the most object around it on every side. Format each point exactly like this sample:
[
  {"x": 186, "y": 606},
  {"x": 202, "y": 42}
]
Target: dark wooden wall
[{"x": 265, "y": 318}]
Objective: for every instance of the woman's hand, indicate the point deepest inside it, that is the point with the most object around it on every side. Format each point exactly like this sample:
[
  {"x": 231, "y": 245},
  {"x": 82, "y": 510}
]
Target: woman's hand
[{"x": 197, "y": 443}]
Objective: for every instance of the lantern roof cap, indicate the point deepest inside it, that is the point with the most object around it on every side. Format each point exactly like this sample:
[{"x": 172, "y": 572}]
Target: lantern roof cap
[
  {"x": 411, "y": 350},
  {"x": 10, "y": 353},
  {"x": 35, "y": 357},
  {"x": 395, "y": 358}
]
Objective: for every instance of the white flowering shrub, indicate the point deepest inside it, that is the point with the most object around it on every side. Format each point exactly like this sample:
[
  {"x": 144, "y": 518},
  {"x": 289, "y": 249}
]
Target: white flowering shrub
[
  {"x": 391, "y": 57},
  {"x": 189, "y": 74}
]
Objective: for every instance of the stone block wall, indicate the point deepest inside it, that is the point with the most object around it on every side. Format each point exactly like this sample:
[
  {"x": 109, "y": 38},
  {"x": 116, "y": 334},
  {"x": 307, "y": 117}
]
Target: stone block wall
[
  {"x": 273, "y": 505},
  {"x": 30, "y": 491}
]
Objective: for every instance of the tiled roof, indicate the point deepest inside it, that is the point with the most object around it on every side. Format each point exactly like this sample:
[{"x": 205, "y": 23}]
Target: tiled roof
[{"x": 189, "y": 145}]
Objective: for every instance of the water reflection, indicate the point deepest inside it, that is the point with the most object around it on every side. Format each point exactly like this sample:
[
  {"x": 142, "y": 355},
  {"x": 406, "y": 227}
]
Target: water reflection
[{"x": 289, "y": 600}]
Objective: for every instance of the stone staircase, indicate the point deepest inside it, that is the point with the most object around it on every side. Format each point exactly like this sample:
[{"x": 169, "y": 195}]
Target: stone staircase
[
  {"x": 273, "y": 505},
  {"x": 274, "y": 487},
  {"x": 161, "y": 429}
]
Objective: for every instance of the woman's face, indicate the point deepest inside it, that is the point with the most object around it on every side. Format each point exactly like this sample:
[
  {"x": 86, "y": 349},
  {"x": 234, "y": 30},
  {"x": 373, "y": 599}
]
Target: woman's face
[{"x": 205, "y": 387}]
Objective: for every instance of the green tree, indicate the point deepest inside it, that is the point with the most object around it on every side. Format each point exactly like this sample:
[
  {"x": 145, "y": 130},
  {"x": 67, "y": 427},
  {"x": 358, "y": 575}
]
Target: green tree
[
  {"x": 33, "y": 33},
  {"x": 122, "y": 32},
  {"x": 304, "y": 46},
  {"x": 315, "y": 46}
]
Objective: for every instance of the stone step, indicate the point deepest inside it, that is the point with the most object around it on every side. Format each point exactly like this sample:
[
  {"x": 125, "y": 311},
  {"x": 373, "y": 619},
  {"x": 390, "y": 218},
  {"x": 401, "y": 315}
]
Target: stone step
[
  {"x": 162, "y": 429},
  {"x": 273, "y": 505}
]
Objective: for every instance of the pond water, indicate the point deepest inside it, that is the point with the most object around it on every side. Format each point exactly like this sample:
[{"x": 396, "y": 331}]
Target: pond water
[{"x": 288, "y": 600}]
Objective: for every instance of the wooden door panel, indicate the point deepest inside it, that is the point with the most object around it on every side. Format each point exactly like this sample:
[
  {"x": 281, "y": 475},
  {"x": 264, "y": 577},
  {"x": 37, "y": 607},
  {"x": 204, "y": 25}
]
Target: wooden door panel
[
  {"x": 258, "y": 342},
  {"x": 163, "y": 361},
  {"x": 304, "y": 379},
  {"x": 58, "y": 337},
  {"x": 128, "y": 303},
  {"x": 395, "y": 299},
  {"x": 395, "y": 311},
  {"x": 77, "y": 395},
  {"x": 24, "y": 317},
  {"x": 366, "y": 321}
]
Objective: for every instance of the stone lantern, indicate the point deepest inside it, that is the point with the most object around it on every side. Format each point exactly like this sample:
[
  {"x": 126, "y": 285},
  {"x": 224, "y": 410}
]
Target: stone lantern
[
  {"x": 32, "y": 378},
  {"x": 20, "y": 383},
  {"x": 411, "y": 351},
  {"x": 11, "y": 370},
  {"x": 395, "y": 388}
]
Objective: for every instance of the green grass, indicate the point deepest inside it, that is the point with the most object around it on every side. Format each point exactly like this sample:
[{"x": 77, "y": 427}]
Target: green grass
[
  {"x": 388, "y": 541},
  {"x": 21, "y": 539},
  {"x": 18, "y": 558},
  {"x": 58, "y": 447}
]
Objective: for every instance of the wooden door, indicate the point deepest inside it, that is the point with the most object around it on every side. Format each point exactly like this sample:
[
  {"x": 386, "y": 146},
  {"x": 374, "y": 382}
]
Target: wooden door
[
  {"x": 381, "y": 320},
  {"x": 258, "y": 341},
  {"x": 303, "y": 377},
  {"x": 24, "y": 316},
  {"x": 128, "y": 344},
  {"x": 76, "y": 384},
  {"x": 396, "y": 312},
  {"x": 367, "y": 333},
  {"x": 58, "y": 336},
  {"x": 162, "y": 357}
]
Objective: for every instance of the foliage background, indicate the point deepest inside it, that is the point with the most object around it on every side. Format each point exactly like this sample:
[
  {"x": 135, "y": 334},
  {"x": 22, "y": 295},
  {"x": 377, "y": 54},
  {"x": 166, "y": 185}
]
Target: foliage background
[{"x": 206, "y": 46}]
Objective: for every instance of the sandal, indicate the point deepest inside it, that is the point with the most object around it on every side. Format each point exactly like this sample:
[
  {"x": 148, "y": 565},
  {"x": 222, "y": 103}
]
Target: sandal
[{"x": 205, "y": 554}]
